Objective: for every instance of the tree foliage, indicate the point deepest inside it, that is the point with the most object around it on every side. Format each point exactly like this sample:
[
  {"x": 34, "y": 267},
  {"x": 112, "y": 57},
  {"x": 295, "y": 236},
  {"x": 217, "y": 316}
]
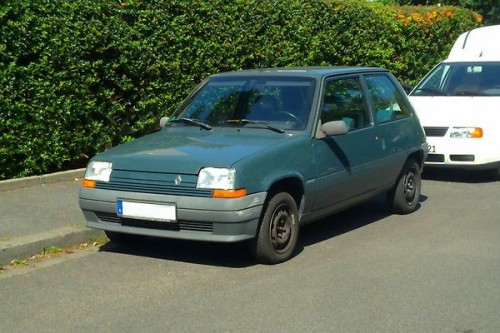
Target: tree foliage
[
  {"x": 78, "y": 75},
  {"x": 489, "y": 9}
]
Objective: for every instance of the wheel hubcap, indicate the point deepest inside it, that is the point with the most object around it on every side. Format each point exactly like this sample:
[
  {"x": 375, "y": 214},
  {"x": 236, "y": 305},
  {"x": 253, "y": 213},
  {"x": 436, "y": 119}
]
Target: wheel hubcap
[
  {"x": 281, "y": 228},
  {"x": 409, "y": 187}
]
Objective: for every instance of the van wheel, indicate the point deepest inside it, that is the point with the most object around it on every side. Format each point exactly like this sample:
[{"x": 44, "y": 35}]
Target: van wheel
[
  {"x": 278, "y": 232},
  {"x": 405, "y": 195}
]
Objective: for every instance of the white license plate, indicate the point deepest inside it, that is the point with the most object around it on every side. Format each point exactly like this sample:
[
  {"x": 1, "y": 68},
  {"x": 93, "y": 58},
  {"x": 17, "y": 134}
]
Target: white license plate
[{"x": 146, "y": 211}]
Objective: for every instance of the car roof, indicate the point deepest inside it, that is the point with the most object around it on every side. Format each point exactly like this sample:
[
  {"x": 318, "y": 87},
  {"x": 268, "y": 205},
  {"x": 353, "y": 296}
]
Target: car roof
[
  {"x": 476, "y": 45},
  {"x": 316, "y": 72}
]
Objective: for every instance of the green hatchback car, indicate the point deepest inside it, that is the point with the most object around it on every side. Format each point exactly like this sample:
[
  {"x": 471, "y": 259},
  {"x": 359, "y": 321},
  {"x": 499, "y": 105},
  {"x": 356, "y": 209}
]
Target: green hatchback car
[{"x": 253, "y": 155}]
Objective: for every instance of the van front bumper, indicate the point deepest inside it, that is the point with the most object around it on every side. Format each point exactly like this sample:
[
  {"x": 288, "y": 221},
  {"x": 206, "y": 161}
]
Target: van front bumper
[
  {"x": 476, "y": 154},
  {"x": 202, "y": 219}
]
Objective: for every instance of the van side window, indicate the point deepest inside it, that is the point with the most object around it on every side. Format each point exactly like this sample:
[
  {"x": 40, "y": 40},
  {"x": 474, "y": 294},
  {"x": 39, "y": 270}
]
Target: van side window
[
  {"x": 343, "y": 100},
  {"x": 387, "y": 101}
]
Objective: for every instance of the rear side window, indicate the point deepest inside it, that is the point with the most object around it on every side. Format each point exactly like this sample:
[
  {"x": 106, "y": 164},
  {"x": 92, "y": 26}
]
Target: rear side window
[
  {"x": 387, "y": 100},
  {"x": 343, "y": 100}
]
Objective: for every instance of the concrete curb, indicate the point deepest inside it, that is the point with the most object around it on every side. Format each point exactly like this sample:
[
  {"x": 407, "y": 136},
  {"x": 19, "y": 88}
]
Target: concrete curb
[
  {"x": 25, "y": 247},
  {"x": 17, "y": 183}
]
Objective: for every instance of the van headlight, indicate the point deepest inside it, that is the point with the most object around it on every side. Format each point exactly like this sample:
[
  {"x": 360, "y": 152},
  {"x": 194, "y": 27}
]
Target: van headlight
[
  {"x": 466, "y": 132},
  {"x": 216, "y": 178},
  {"x": 99, "y": 171}
]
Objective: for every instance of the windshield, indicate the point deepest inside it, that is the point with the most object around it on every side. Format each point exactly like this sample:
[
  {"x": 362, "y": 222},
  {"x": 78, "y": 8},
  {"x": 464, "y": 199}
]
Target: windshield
[
  {"x": 280, "y": 102},
  {"x": 461, "y": 79}
]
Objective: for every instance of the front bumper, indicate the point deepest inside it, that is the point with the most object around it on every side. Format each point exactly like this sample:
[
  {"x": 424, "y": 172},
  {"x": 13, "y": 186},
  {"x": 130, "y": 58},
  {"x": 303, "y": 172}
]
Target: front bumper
[
  {"x": 203, "y": 219},
  {"x": 462, "y": 153}
]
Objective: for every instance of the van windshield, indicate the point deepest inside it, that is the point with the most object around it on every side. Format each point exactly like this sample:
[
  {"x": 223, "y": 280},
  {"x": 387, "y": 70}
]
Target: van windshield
[
  {"x": 278, "y": 102},
  {"x": 461, "y": 79}
]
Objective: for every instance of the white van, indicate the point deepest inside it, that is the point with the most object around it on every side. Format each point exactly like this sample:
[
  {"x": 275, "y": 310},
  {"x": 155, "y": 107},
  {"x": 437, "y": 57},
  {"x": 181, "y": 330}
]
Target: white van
[{"x": 458, "y": 103}]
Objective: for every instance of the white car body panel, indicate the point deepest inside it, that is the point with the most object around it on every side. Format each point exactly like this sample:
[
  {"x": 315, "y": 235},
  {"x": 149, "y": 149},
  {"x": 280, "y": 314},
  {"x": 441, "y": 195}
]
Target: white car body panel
[
  {"x": 464, "y": 111},
  {"x": 477, "y": 44}
]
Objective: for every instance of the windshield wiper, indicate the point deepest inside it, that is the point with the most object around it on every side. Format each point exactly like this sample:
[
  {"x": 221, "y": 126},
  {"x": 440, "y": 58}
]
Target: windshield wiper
[
  {"x": 256, "y": 122},
  {"x": 193, "y": 121},
  {"x": 432, "y": 91},
  {"x": 469, "y": 93}
]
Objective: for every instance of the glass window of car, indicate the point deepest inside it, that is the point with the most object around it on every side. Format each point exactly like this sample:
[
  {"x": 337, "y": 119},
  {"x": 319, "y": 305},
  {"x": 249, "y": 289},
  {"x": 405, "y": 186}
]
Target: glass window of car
[
  {"x": 282, "y": 101},
  {"x": 343, "y": 100},
  {"x": 387, "y": 100},
  {"x": 461, "y": 79}
]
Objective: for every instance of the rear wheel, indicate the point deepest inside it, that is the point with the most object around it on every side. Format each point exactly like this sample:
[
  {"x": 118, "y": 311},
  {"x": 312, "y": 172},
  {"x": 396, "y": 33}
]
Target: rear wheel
[
  {"x": 405, "y": 195},
  {"x": 278, "y": 232}
]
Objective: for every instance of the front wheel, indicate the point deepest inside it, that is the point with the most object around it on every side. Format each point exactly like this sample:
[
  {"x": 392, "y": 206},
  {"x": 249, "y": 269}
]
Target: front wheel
[
  {"x": 405, "y": 195},
  {"x": 278, "y": 232}
]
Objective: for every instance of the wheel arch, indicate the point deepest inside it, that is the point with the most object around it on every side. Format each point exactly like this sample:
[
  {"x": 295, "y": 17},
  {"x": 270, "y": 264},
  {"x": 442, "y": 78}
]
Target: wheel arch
[
  {"x": 418, "y": 156},
  {"x": 292, "y": 185}
]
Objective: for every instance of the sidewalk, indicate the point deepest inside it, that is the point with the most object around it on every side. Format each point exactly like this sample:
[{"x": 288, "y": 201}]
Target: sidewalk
[{"x": 39, "y": 212}]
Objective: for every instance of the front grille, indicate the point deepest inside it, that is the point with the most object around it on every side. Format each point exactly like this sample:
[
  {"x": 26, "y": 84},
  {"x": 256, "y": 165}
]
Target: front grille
[
  {"x": 154, "y": 183},
  {"x": 437, "y": 158},
  {"x": 180, "y": 225},
  {"x": 462, "y": 158},
  {"x": 435, "y": 131}
]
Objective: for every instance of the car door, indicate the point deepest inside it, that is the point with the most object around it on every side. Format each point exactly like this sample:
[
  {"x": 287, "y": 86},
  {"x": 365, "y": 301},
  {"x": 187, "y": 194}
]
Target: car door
[
  {"x": 393, "y": 123},
  {"x": 346, "y": 164}
]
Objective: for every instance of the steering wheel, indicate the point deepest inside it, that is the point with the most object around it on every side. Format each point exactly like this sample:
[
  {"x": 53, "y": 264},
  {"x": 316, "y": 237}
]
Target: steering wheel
[{"x": 292, "y": 116}]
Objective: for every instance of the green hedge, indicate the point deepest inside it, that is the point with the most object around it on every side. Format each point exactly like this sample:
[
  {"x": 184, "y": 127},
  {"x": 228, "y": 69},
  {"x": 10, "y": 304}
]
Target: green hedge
[{"x": 78, "y": 75}]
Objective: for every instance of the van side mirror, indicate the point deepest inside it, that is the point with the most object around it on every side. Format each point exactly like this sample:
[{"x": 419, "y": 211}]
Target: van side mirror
[
  {"x": 164, "y": 121},
  {"x": 337, "y": 127},
  {"x": 407, "y": 87}
]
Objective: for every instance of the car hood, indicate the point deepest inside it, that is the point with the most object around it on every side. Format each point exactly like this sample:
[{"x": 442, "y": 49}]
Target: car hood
[
  {"x": 189, "y": 149},
  {"x": 456, "y": 111}
]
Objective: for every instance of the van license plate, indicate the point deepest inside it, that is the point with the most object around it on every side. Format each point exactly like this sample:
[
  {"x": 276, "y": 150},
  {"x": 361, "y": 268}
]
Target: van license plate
[{"x": 146, "y": 211}]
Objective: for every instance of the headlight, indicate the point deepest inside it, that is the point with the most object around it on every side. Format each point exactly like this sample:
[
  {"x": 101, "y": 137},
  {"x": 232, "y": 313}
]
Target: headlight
[
  {"x": 466, "y": 132},
  {"x": 216, "y": 178},
  {"x": 99, "y": 171}
]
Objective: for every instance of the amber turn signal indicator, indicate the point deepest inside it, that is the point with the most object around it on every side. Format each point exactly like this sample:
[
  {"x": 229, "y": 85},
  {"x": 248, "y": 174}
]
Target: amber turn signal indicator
[
  {"x": 477, "y": 133},
  {"x": 229, "y": 193},
  {"x": 88, "y": 183}
]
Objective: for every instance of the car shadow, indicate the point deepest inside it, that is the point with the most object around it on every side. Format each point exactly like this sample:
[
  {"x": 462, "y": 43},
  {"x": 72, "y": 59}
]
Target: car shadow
[
  {"x": 236, "y": 255},
  {"x": 346, "y": 221},
  {"x": 232, "y": 255},
  {"x": 459, "y": 175}
]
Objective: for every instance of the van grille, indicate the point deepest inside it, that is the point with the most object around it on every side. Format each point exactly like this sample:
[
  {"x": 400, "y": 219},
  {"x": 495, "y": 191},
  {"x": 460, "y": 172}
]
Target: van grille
[
  {"x": 154, "y": 183},
  {"x": 435, "y": 131},
  {"x": 435, "y": 158},
  {"x": 180, "y": 225}
]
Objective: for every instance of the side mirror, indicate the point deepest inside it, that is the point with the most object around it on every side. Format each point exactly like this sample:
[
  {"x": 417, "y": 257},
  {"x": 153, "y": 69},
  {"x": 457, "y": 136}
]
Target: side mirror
[
  {"x": 337, "y": 127},
  {"x": 407, "y": 87},
  {"x": 164, "y": 121}
]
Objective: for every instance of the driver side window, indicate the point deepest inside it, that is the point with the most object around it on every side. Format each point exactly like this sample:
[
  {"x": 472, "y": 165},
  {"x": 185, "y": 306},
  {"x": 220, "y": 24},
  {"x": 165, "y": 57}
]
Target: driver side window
[{"x": 343, "y": 100}]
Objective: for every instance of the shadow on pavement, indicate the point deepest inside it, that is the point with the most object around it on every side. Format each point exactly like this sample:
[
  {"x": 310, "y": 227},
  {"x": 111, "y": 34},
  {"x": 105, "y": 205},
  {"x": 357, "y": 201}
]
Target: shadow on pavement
[
  {"x": 346, "y": 221},
  {"x": 459, "y": 175},
  {"x": 233, "y": 255},
  {"x": 236, "y": 255}
]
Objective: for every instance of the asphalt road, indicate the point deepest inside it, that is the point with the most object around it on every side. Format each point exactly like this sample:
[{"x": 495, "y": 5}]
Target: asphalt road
[{"x": 364, "y": 270}]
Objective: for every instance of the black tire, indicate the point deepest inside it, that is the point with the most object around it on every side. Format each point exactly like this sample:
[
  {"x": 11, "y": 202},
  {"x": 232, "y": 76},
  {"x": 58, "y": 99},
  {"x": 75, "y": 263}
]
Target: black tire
[
  {"x": 405, "y": 195},
  {"x": 278, "y": 231},
  {"x": 120, "y": 238}
]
